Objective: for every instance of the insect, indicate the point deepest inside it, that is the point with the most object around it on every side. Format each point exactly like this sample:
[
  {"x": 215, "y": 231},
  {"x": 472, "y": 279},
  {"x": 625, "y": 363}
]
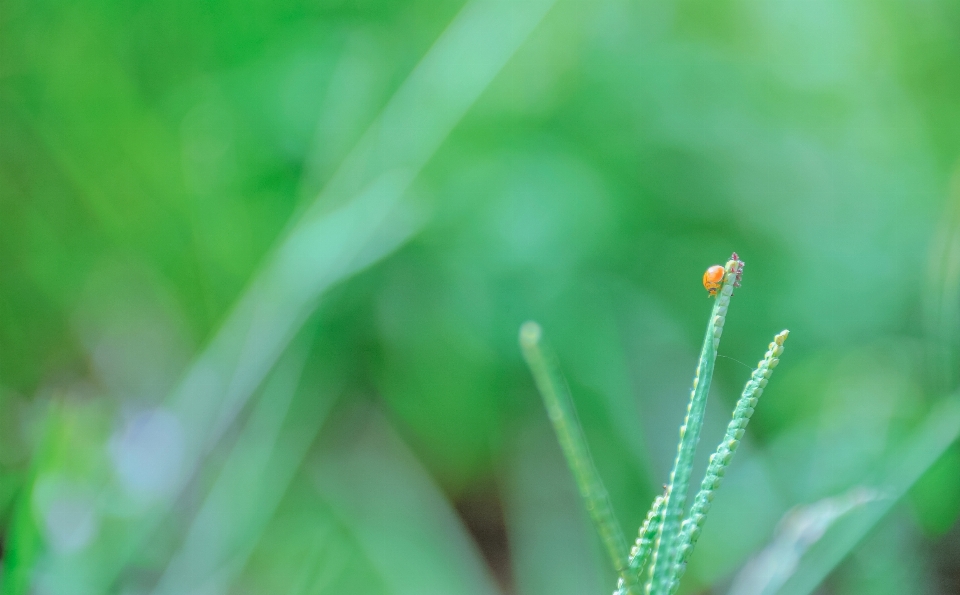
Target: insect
[{"x": 713, "y": 279}]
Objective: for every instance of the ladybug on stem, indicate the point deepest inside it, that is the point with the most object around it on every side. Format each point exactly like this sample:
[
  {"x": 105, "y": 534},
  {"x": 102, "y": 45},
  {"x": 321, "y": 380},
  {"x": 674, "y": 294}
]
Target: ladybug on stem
[{"x": 713, "y": 279}]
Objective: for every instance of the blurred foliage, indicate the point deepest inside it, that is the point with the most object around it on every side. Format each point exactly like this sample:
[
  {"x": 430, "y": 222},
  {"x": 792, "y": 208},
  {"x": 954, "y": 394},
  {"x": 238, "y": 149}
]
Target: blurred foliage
[{"x": 576, "y": 162}]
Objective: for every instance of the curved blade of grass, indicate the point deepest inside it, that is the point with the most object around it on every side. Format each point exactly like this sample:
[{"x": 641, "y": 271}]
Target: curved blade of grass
[
  {"x": 556, "y": 397},
  {"x": 939, "y": 431},
  {"x": 799, "y": 529},
  {"x": 691, "y": 527},
  {"x": 273, "y": 443},
  {"x": 665, "y": 550},
  {"x": 396, "y": 515},
  {"x": 370, "y": 219},
  {"x": 357, "y": 219}
]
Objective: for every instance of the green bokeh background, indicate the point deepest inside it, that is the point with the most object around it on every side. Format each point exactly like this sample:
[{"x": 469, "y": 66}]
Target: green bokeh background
[{"x": 155, "y": 156}]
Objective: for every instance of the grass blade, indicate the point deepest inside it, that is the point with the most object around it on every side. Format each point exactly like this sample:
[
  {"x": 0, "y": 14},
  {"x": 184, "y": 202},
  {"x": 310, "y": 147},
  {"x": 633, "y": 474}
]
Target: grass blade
[
  {"x": 799, "y": 529},
  {"x": 248, "y": 490},
  {"x": 664, "y": 553},
  {"x": 690, "y": 530},
  {"x": 359, "y": 218},
  {"x": 647, "y": 536},
  {"x": 556, "y": 397},
  {"x": 400, "y": 522},
  {"x": 938, "y": 432}
]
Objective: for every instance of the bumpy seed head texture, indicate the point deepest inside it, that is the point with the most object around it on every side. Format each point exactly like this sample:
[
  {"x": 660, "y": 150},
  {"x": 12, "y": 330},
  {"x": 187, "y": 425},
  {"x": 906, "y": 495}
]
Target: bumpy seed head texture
[
  {"x": 643, "y": 547},
  {"x": 716, "y": 468},
  {"x": 665, "y": 548},
  {"x": 666, "y": 539}
]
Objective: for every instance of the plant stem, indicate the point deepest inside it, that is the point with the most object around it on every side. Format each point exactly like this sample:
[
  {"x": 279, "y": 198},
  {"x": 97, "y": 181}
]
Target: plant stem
[
  {"x": 556, "y": 397},
  {"x": 664, "y": 554},
  {"x": 690, "y": 530},
  {"x": 643, "y": 547}
]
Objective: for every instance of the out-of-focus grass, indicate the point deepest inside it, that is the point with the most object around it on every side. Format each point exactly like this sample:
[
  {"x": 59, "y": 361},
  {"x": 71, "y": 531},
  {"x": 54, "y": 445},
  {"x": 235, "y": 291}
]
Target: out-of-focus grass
[{"x": 160, "y": 165}]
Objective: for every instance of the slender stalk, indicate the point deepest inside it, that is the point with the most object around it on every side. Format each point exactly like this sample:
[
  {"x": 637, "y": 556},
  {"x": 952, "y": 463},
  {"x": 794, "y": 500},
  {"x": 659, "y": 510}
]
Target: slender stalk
[
  {"x": 640, "y": 553},
  {"x": 690, "y": 530},
  {"x": 665, "y": 550},
  {"x": 556, "y": 397}
]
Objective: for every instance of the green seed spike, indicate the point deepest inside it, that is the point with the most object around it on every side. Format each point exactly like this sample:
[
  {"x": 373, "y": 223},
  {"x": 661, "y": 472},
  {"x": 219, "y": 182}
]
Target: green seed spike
[
  {"x": 643, "y": 547},
  {"x": 556, "y": 397},
  {"x": 719, "y": 461},
  {"x": 665, "y": 549}
]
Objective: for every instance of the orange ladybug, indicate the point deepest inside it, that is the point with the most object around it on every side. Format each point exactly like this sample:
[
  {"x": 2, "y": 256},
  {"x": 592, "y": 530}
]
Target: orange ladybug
[{"x": 713, "y": 279}]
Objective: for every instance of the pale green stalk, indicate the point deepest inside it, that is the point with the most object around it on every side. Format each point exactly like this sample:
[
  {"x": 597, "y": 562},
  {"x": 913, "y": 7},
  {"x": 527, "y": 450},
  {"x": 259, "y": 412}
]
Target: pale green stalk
[
  {"x": 556, "y": 397},
  {"x": 640, "y": 553},
  {"x": 665, "y": 550},
  {"x": 690, "y": 530}
]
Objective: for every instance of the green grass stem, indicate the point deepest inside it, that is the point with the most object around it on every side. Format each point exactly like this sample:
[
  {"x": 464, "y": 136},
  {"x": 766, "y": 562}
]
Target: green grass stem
[
  {"x": 716, "y": 468},
  {"x": 666, "y": 538},
  {"x": 640, "y": 553},
  {"x": 556, "y": 397},
  {"x": 665, "y": 549}
]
